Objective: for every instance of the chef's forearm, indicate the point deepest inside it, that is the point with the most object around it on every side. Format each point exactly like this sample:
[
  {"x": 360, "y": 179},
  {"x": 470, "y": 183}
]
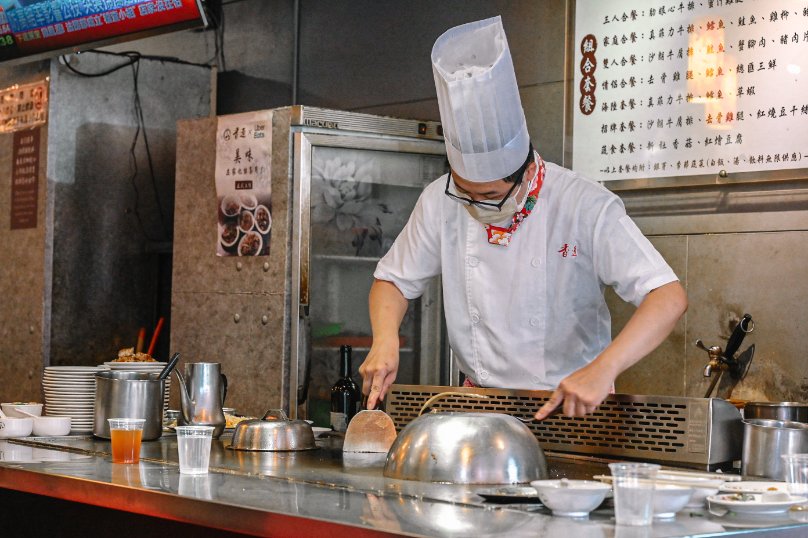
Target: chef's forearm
[
  {"x": 387, "y": 308},
  {"x": 648, "y": 327}
]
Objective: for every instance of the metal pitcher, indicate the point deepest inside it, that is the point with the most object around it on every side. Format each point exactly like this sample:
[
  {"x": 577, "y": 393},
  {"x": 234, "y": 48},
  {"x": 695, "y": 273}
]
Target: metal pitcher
[{"x": 202, "y": 391}]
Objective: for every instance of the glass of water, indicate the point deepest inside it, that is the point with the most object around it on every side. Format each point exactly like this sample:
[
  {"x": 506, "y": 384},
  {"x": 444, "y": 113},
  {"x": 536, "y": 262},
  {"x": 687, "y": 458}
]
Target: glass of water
[
  {"x": 633, "y": 492},
  {"x": 194, "y": 448}
]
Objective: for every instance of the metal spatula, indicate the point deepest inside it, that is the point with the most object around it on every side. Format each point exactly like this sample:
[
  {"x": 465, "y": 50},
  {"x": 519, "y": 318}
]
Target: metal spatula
[{"x": 370, "y": 430}]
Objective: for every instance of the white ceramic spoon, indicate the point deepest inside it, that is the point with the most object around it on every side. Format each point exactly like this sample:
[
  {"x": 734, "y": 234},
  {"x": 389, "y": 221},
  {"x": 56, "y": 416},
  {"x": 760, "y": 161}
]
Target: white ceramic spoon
[{"x": 26, "y": 413}]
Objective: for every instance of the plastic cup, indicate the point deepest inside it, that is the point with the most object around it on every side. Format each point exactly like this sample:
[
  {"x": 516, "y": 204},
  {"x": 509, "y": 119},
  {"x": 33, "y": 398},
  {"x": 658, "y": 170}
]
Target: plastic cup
[
  {"x": 796, "y": 473},
  {"x": 193, "y": 443},
  {"x": 633, "y": 492},
  {"x": 126, "y": 435}
]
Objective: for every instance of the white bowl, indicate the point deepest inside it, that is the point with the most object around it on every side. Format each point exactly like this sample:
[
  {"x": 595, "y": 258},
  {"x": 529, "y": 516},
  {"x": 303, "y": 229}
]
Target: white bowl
[
  {"x": 702, "y": 488},
  {"x": 248, "y": 201},
  {"x": 669, "y": 499},
  {"x": 246, "y": 221},
  {"x": 248, "y": 240},
  {"x": 50, "y": 426},
  {"x": 231, "y": 227},
  {"x": 15, "y": 427},
  {"x": 571, "y": 498},
  {"x": 262, "y": 212},
  {"x": 231, "y": 205},
  {"x": 31, "y": 407}
]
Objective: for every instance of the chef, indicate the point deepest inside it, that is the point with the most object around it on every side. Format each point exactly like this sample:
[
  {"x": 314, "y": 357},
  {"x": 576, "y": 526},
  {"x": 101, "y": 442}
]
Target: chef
[{"x": 525, "y": 249}]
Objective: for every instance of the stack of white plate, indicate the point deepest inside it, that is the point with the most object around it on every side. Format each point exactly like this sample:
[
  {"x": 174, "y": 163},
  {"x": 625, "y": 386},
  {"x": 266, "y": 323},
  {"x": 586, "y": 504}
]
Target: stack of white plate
[
  {"x": 150, "y": 367},
  {"x": 70, "y": 391}
]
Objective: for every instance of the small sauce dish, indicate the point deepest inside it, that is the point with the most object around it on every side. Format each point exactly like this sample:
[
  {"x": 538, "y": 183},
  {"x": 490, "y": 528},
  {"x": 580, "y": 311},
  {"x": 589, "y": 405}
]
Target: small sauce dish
[
  {"x": 571, "y": 498},
  {"x": 669, "y": 499}
]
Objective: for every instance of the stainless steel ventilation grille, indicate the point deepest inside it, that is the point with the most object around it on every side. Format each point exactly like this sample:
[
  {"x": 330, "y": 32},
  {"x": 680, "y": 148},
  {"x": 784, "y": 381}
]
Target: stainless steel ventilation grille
[{"x": 696, "y": 431}]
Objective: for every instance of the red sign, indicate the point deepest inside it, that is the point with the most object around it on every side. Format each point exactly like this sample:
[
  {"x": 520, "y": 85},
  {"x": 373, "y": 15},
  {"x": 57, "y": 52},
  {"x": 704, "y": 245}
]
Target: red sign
[
  {"x": 25, "y": 179},
  {"x": 48, "y": 25}
]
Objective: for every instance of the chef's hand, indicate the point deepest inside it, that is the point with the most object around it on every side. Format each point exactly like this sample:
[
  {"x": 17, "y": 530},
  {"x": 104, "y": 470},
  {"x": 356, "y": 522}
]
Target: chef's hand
[
  {"x": 379, "y": 371},
  {"x": 581, "y": 392},
  {"x": 387, "y": 308}
]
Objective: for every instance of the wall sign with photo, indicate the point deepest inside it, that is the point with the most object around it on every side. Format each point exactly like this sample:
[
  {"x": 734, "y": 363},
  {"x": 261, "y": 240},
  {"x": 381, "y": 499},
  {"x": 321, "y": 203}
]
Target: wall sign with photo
[{"x": 243, "y": 188}]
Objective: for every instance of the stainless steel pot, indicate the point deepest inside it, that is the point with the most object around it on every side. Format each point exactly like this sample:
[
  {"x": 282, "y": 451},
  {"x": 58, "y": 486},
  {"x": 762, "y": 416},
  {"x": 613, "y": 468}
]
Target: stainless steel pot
[
  {"x": 764, "y": 441},
  {"x": 792, "y": 411},
  {"x": 273, "y": 432},
  {"x": 121, "y": 394}
]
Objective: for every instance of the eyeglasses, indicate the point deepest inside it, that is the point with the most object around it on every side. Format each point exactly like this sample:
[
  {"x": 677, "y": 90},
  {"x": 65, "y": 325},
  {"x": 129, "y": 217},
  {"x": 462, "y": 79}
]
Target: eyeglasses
[{"x": 516, "y": 178}]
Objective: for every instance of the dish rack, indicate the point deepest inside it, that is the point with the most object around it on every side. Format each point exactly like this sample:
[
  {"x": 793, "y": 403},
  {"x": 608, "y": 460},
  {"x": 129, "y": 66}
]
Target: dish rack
[{"x": 704, "y": 433}]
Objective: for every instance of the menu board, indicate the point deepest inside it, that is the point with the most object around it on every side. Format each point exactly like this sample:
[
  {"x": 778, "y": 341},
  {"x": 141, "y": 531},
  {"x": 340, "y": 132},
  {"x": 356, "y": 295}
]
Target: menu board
[
  {"x": 23, "y": 106},
  {"x": 667, "y": 88},
  {"x": 37, "y": 26},
  {"x": 25, "y": 179}
]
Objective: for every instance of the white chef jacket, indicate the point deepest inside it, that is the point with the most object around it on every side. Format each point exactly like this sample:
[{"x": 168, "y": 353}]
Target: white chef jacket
[{"x": 527, "y": 315}]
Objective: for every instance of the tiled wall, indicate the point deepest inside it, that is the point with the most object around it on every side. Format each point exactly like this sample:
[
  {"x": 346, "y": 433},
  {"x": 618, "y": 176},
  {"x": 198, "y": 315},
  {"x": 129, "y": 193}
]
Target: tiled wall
[{"x": 753, "y": 262}]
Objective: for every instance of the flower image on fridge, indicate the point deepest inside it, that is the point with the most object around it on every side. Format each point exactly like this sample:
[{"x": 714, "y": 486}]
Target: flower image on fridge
[{"x": 362, "y": 191}]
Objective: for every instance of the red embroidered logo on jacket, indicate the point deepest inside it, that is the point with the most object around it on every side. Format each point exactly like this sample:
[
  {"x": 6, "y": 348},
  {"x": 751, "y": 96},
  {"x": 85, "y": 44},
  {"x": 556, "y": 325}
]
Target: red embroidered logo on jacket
[{"x": 568, "y": 250}]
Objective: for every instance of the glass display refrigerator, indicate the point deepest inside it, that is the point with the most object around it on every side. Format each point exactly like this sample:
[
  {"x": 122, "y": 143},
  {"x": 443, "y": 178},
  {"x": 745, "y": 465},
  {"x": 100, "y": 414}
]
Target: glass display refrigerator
[
  {"x": 356, "y": 179},
  {"x": 341, "y": 188}
]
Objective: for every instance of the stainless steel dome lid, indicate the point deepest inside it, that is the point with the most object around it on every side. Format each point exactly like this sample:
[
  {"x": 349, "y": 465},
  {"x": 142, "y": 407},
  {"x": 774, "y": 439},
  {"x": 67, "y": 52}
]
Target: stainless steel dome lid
[
  {"x": 466, "y": 448},
  {"x": 273, "y": 432}
]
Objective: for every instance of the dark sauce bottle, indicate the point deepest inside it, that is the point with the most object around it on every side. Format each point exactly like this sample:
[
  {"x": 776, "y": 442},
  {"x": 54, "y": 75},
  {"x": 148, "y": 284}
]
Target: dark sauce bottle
[{"x": 344, "y": 394}]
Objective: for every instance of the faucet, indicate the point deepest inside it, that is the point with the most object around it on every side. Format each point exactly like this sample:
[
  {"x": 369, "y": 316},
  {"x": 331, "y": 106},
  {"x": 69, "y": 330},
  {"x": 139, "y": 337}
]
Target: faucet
[
  {"x": 715, "y": 353},
  {"x": 721, "y": 360}
]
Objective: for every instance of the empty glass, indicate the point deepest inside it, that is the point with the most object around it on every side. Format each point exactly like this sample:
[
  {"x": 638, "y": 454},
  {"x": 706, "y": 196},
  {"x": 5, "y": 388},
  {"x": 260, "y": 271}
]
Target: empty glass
[
  {"x": 193, "y": 443},
  {"x": 633, "y": 492},
  {"x": 126, "y": 435},
  {"x": 796, "y": 473}
]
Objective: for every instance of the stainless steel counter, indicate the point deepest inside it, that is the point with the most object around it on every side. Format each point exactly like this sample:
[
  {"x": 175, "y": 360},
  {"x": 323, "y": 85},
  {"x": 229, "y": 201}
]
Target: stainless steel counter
[{"x": 275, "y": 494}]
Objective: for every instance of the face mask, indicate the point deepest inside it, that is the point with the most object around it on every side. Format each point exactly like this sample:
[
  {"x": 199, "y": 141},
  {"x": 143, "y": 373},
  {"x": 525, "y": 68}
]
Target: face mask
[{"x": 495, "y": 216}]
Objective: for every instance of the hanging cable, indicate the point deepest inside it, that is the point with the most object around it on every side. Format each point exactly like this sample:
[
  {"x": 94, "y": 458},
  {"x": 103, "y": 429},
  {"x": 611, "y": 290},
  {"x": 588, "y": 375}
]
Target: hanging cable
[{"x": 133, "y": 59}]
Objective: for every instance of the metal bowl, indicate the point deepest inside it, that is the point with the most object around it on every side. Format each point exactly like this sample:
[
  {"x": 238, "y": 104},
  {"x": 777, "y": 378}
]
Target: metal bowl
[
  {"x": 273, "y": 432},
  {"x": 466, "y": 448}
]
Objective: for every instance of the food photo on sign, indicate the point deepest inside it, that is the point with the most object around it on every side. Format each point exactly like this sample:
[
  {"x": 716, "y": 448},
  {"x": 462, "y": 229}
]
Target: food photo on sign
[{"x": 243, "y": 189}]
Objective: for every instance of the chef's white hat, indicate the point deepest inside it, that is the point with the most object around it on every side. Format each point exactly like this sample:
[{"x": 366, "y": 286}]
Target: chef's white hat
[{"x": 483, "y": 121}]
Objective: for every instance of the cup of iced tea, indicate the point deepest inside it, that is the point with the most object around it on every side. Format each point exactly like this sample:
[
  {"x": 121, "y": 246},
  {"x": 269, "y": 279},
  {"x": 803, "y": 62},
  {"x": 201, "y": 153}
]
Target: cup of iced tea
[{"x": 126, "y": 434}]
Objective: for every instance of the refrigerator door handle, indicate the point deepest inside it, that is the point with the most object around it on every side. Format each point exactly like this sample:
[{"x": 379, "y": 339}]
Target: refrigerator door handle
[{"x": 304, "y": 355}]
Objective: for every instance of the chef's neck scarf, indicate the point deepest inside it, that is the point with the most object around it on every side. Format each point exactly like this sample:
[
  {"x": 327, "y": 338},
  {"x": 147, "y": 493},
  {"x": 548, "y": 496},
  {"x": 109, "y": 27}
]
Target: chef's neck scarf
[{"x": 502, "y": 236}]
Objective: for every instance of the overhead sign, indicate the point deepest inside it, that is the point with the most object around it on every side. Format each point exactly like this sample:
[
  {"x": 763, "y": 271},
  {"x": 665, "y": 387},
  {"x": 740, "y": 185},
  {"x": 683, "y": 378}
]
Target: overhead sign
[{"x": 38, "y": 26}]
